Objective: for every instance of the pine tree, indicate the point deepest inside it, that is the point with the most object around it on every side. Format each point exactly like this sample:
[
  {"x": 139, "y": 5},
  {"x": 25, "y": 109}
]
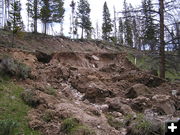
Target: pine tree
[
  {"x": 15, "y": 21},
  {"x": 33, "y": 10},
  {"x": 29, "y": 5},
  {"x": 128, "y": 35},
  {"x": 45, "y": 14},
  {"x": 121, "y": 31},
  {"x": 72, "y": 5},
  {"x": 107, "y": 24},
  {"x": 149, "y": 26},
  {"x": 136, "y": 34},
  {"x": 57, "y": 11},
  {"x": 84, "y": 16}
]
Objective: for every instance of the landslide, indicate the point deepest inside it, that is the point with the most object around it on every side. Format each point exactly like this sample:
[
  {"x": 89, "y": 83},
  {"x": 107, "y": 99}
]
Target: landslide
[{"x": 89, "y": 90}]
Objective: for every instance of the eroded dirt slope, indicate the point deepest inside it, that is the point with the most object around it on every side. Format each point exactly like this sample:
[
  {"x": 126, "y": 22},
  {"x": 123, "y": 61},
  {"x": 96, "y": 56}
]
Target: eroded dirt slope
[{"x": 89, "y": 87}]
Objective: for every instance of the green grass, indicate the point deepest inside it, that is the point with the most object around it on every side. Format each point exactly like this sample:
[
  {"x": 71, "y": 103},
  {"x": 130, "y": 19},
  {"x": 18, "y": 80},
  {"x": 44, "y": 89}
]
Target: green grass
[
  {"x": 113, "y": 122},
  {"x": 148, "y": 63},
  {"x": 72, "y": 126},
  {"x": 50, "y": 91},
  {"x": 13, "y": 109}
]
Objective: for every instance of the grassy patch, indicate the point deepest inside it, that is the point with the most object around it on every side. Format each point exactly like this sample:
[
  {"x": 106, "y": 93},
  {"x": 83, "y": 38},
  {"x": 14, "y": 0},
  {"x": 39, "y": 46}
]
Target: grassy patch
[
  {"x": 141, "y": 124},
  {"x": 50, "y": 91},
  {"x": 48, "y": 115},
  {"x": 13, "y": 111},
  {"x": 114, "y": 123},
  {"x": 30, "y": 98},
  {"x": 151, "y": 63},
  {"x": 72, "y": 126}
]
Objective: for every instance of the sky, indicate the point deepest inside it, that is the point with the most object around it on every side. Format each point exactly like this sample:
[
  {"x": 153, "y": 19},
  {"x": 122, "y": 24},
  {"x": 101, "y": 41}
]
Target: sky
[{"x": 95, "y": 16}]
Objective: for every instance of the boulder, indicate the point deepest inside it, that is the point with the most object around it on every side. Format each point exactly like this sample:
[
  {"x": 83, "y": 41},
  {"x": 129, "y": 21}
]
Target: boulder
[
  {"x": 164, "y": 103},
  {"x": 96, "y": 94},
  {"x": 137, "y": 90},
  {"x": 140, "y": 103},
  {"x": 115, "y": 104}
]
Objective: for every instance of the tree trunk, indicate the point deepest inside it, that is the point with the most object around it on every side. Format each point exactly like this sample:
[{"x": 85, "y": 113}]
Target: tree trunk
[
  {"x": 45, "y": 28},
  {"x": 82, "y": 33},
  {"x": 35, "y": 15},
  {"x": 162, "y": 43}
]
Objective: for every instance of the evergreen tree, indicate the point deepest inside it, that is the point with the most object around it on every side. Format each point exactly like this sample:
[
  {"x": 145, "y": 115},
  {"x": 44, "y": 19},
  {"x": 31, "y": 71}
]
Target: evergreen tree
[
  {"x": 29, "y": 5},
  {"x": 84, "y": 16},
  {"x": 57, "y": 11},
  {"x": 72, "y": 5},
  {"x": 45, "y": 14},
  {"x": 121, "y": 31},
  {"x": 149, "y": 26},
  {"x": 33, "y": 10},
  {"x": 135, "y": 34},
  {"x": 128, "y": 35},
  {"x": 107, "y": 24},
  {"x": 15, "y": 21}
]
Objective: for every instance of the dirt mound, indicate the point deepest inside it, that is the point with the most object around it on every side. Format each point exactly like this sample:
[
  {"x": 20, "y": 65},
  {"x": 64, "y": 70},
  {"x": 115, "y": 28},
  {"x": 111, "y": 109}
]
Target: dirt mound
[{"x": 94, "y": 60}]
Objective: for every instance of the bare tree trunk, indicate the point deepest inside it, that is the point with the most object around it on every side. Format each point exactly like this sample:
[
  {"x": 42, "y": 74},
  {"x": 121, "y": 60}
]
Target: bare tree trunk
[
  {"x": 45, "y": 28},
  {"x": 35, "y": 15},
  {"x": 162, "y": 43},
  {"x": 82, "y": 34}
]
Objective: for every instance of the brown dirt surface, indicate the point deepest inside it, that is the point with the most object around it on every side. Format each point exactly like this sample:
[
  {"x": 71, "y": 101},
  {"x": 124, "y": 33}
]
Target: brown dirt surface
[{"x": 86, "y": 83}]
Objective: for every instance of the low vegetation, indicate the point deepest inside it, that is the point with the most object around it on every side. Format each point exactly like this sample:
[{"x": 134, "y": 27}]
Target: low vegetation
[
  {"x": 114, "y": 122},
  {"x": 30, "y": 98},
  {"x": 48, "y": 115},
  {"x": 72, "y": 126},
  {"x": 150, "y": 63},
  {"x": 13, "y": 111},
  {"x": 141, "y": 126},
  {"x": 8, "y": 127},
  {"x": 12, "y": 67},
  {"x": 50, "y": 91}
]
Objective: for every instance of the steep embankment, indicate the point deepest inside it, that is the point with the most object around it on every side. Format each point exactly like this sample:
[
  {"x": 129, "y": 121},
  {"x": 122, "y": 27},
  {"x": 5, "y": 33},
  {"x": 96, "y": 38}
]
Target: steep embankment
[{"x": 92, "y": 92}]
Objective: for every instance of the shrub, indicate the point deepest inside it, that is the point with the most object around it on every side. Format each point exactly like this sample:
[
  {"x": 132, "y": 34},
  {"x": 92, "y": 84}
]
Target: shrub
[
  {"x": 72, "y": 126},
  {"x": 30, "y": 98},
  {"x": 11, "y": 67},
  {"x": 142, "y": 126},
  {"x": 48, "y": 115},
  {"x": 7, "y": 127},
  {"x": 113, "y": 122},
  {"x": 50, "y": 91}
]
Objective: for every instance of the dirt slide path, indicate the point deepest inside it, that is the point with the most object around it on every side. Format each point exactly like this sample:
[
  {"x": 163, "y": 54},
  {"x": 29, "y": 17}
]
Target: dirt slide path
[{"x": 89, "y": 87}]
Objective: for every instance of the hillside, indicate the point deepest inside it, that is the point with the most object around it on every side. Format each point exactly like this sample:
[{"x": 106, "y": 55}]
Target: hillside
[{"x": 80, "y": 88}]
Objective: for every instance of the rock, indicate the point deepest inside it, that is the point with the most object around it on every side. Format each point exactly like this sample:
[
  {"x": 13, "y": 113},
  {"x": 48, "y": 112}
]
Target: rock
[
  {"x": 174, "y": 93},
  {"x": 95, "y": 58},
  {"x": 115, "y": 104},
  {"x": 137, "y": 90},
  {"x": 104, "y": 108},
  {"x": 116, "y": 114},
  {"x": 140, "y": 103},
  {"x": 96, "y": 94},
  {"x": 164, "y": 103},
  {"x": 92, "y": 78},
  {"x": 63, "y": 72},
  {"x": 161, "y": 98},
  {"x": 93, "y": 111},
  {"x": 111, "y": 68}
]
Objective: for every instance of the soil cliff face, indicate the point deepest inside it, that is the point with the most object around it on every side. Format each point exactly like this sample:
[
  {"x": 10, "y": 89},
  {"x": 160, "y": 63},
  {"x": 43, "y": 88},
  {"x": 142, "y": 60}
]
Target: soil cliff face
[{"x": 88, "y": 93}]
